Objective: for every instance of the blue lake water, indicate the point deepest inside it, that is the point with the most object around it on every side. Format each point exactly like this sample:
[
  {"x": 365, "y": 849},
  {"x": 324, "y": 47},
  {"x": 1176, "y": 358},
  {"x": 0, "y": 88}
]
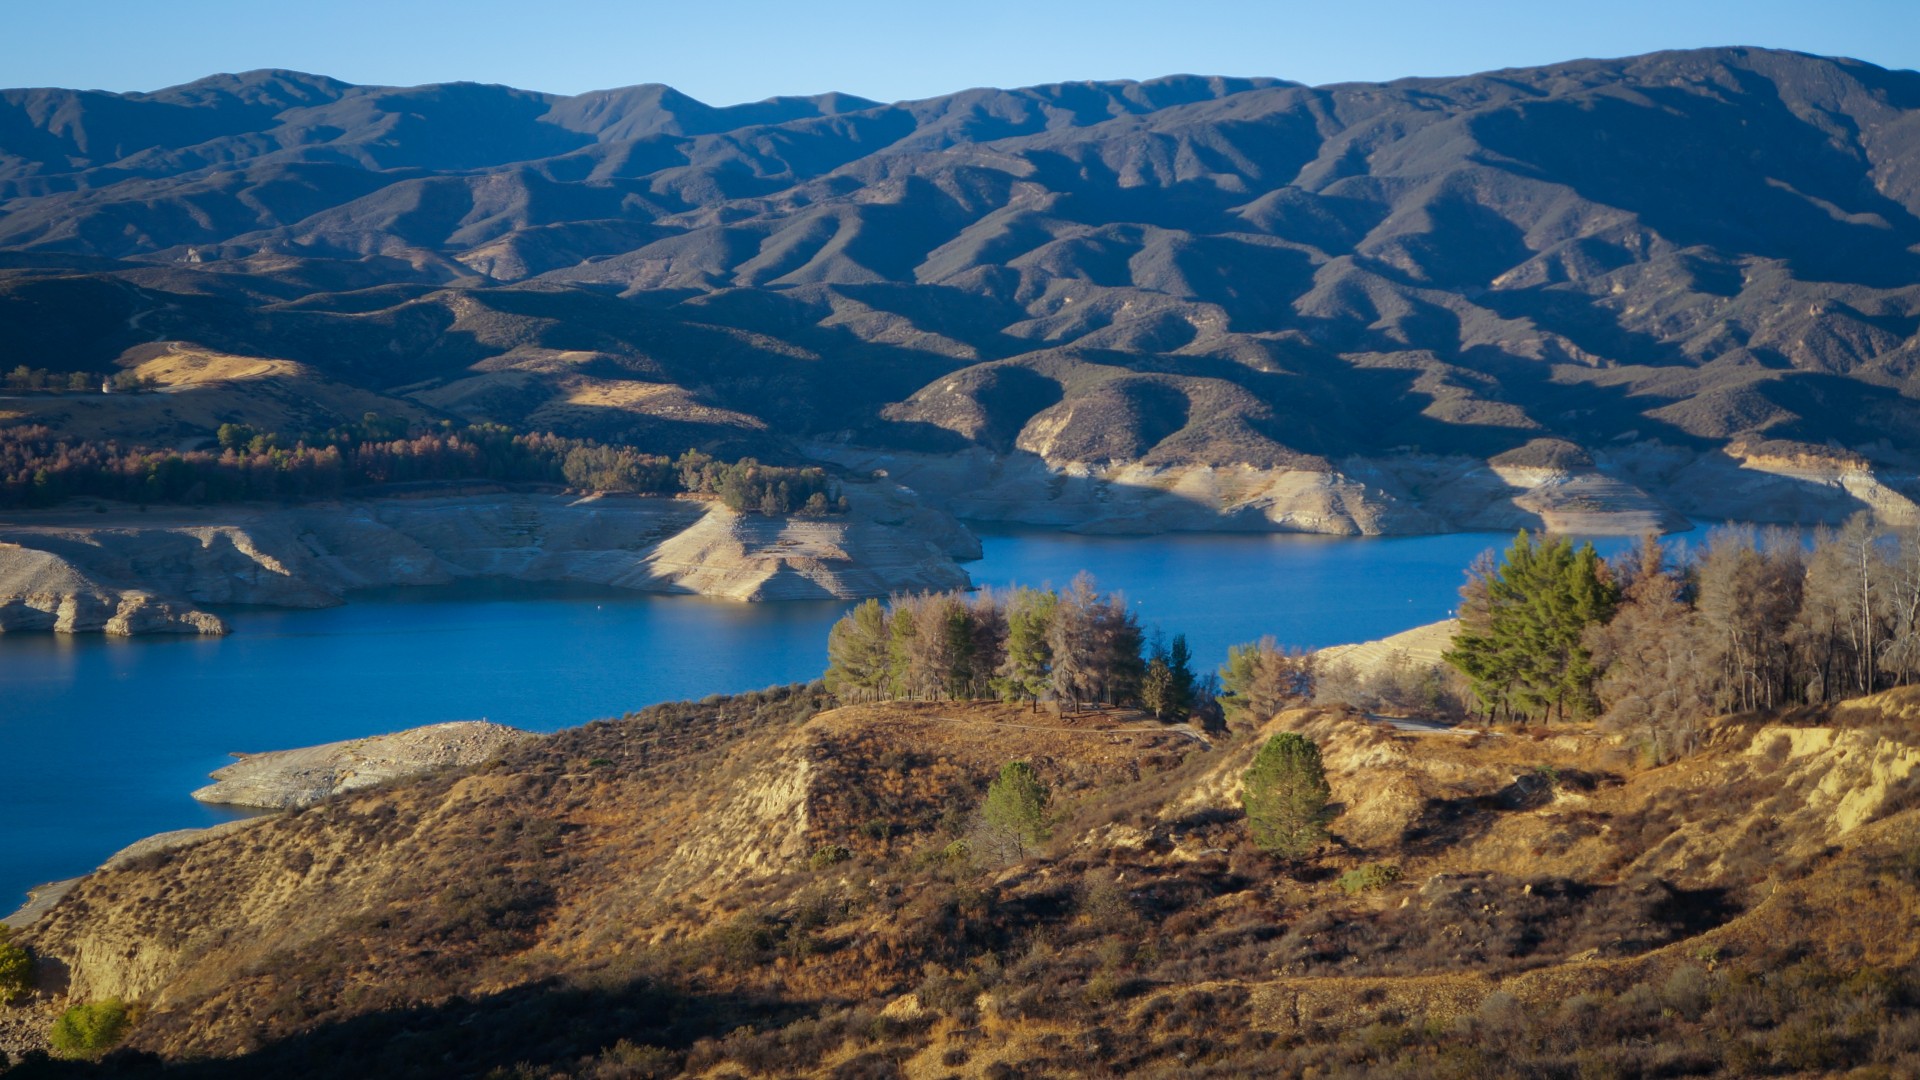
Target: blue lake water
[{"x": 104, "y": 738}]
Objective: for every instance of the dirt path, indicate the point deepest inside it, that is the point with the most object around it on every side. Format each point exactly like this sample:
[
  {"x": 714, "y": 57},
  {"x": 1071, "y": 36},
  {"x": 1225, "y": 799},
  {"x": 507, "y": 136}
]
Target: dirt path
[{"x": 1426, "y": 727}]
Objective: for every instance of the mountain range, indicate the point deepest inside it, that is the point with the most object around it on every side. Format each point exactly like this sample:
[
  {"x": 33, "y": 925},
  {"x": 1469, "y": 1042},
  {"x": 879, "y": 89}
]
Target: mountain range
[{"x": 1691, "y": 250}]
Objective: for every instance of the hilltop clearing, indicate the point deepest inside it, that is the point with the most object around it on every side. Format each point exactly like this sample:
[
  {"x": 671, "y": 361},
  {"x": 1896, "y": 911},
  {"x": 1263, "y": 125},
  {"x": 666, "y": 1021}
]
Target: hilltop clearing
[{"x": 770, "y": 886}]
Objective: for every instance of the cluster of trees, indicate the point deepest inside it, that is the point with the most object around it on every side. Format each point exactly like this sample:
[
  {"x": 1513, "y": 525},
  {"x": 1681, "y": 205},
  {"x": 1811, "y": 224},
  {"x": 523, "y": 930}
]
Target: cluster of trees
[
  {"x": 39, "y": 469},
  {"x": 26, "y": 378},
  {"x": 1661, "y": 639},
  {"x": 1398, "y": 686},
  {"x": 1078, "y": 647},
  {"x": 748, "y": 485},
  {"x": 1260, "y": 678}
]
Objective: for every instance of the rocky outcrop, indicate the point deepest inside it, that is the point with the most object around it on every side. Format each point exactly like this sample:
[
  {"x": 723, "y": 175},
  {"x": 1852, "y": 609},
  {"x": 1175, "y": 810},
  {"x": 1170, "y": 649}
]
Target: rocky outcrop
[
  {"x": 1785, "y": 485},
  {"x": 70, "y": 573},
  {"x": 284, "y": 779}
]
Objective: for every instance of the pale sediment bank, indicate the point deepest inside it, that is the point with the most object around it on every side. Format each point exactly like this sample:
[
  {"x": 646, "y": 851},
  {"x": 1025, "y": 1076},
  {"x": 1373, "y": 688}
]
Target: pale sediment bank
[
  {"x": 285, "y": 779},
  {"x": 124, "y": 573},
  {"x": 40, "y": 899},
  {"x": 1636, "y": 489},
  {"x": 1419, "y": 648}
]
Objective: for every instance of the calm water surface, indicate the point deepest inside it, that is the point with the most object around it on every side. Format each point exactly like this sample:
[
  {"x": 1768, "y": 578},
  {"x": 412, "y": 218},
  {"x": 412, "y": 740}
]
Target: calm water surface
[{"x": 104, "y": 738}]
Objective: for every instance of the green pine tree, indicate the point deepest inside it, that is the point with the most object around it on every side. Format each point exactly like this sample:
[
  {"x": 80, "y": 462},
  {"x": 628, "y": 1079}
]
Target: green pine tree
[
  {"x": 1027, "y": 672},
  {"x": 1180, "y": 670},
  {"x": 859, "y": 665},
  {"x": 1521, "y": 637},
  {"x": 1285, "y": 795},
  {"x": 960, "y": 650},
  {"x": 1016, "y": 808},
  {"x": 902, "y": 628}
]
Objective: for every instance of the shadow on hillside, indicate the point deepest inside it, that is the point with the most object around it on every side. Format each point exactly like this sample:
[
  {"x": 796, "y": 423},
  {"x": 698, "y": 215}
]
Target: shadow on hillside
[{"x": 545, "y": 1025}]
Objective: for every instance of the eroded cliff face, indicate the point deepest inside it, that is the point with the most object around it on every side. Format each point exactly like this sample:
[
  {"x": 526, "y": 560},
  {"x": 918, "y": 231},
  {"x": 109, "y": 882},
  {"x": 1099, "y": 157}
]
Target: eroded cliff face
[
  {"x": 1137, "y": 497},
  {"x": 41, "y": 590},
  {"x": 67, "y": 572}
]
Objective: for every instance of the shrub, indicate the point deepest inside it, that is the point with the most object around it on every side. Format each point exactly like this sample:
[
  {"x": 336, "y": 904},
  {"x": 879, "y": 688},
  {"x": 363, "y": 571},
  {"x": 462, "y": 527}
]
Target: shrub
[
  {"x": 16, "y": 968},
  {"x": 747, "y": 938},
  {"x": 1016, "y": 807},
  {"x": 828, "y": 855},
  {"x": 1285, "y": 795},
  {"x": 1369, "y": 877},
  {"x": 625, "y": 1060},
  {"x": 87, "y": 1031}
]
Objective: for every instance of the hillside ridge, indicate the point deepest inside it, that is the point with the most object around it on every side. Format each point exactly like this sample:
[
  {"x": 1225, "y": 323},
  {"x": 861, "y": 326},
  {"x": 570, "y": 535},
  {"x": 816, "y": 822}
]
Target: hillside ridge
[
  {"x": 1644, "y": 261},
  {"x": 671, "y": 876}
]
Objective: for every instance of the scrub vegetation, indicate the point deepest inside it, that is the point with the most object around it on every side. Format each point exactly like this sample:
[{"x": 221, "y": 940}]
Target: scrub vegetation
[{"x": 38, "y": 468}]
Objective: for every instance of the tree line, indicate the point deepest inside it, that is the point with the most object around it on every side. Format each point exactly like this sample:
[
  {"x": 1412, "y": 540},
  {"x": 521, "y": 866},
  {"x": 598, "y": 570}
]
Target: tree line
[
  {"x": 1078, "y": 647},
  {"x": 38, "y": 468},
  {"x": 23, "y": 377},
  {"x": 1662, "y": 638}
]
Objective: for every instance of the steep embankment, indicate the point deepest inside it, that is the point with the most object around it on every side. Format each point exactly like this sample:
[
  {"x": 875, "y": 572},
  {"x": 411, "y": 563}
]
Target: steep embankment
[
  {"x": 125, "y": 573},
  {"x": 695, "y": 869}
]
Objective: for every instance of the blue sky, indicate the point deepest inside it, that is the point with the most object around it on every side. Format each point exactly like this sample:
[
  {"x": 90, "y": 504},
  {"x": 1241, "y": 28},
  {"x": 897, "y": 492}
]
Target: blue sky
[{"x": 724, "y": 52}]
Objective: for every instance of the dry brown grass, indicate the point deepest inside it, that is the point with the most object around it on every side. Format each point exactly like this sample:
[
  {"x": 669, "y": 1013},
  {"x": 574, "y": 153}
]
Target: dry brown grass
[{"x": 651, "y": 885}]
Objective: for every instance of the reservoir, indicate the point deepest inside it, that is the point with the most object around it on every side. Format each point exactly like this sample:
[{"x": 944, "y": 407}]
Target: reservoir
[{"x": 105, "y": 737}]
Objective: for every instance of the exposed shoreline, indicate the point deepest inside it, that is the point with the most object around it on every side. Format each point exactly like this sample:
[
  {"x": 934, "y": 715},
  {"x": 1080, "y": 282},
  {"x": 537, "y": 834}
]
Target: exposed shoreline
[
  {"x": 123, "y": 572},
  {"x": 1632, "y": 490},
  {"x": 273, "y": 781},
  {"x": 40, "y": 899}
]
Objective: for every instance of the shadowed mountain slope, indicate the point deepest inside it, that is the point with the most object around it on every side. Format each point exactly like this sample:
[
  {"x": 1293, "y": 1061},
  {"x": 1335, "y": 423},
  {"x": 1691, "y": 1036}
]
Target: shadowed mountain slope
[{"x": 1695, "y": 248}]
